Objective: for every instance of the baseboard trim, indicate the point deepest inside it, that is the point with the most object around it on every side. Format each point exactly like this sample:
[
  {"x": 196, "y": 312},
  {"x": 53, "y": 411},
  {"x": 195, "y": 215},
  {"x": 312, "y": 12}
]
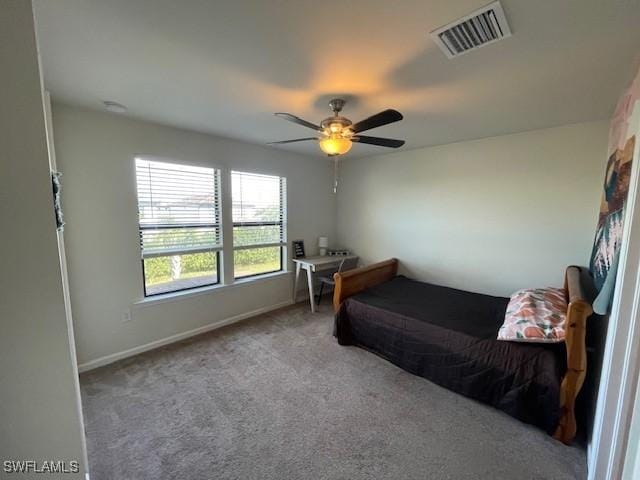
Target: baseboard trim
[{"x": 114, "y": 357}]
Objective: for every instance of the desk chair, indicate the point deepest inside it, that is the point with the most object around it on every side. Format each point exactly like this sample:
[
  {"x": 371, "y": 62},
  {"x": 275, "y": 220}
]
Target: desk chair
[{"x": 345, "y": 264}]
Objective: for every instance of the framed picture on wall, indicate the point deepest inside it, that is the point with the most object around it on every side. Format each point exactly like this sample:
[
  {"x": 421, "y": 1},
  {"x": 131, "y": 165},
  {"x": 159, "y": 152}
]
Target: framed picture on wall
[{"x": 298, "y": 248}]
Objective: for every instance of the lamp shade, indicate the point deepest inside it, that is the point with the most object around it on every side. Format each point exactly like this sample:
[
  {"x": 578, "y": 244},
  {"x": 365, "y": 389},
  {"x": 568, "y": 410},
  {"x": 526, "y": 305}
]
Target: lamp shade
[
  {"x": 335, "y": 145},
  {"x": 323, "y": 242}
]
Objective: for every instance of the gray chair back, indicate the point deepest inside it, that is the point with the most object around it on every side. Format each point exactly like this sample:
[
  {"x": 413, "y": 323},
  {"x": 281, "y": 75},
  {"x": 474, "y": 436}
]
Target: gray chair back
[{"x": 348, "y": 264}]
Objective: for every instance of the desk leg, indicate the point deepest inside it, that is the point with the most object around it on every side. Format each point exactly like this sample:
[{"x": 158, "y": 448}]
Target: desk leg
[
  {"x": 311, "y": 295},
  {"x": 295, "y": 283}
]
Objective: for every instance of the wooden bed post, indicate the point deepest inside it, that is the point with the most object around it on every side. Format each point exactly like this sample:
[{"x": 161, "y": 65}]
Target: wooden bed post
[
  {"x": 577, "y": 313},
  {"x": 353, "y": 281}
]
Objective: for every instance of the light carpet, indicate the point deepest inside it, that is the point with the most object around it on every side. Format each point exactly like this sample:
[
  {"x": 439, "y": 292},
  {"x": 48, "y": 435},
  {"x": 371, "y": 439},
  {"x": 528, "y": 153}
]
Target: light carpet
[{"x": 275, "y": 397}]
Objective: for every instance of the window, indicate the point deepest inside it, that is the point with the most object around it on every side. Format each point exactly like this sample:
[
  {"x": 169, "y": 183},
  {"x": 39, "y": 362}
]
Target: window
[
  {"x": 180, "y": 225},
  {"x": 258, "y": 223},
  {"x": 180, "y": 228}
]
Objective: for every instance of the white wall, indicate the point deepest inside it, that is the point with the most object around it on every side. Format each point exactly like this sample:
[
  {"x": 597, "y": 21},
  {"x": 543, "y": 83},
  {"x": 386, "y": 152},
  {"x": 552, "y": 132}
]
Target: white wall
[
  {"x": 39, "y": 402},
  {"x": 490, "y": 215},
  {"x": 95, "y": 152}
]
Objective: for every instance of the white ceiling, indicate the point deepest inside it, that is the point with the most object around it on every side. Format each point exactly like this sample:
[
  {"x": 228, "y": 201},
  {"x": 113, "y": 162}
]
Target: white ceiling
[{"x": 224, "y": 66}]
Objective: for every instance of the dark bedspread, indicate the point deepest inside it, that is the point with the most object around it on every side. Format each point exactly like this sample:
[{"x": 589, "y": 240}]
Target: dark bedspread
[{"x": 449, "y": 337}]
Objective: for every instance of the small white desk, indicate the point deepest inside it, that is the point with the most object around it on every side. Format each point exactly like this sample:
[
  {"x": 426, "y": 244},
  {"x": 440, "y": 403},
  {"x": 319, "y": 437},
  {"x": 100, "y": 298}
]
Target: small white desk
[{"x": 312, "y": 265}]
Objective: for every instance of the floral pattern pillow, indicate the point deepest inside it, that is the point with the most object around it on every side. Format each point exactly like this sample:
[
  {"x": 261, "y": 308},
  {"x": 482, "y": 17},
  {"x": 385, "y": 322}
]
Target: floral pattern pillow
[{"x": 535, "y": 315}]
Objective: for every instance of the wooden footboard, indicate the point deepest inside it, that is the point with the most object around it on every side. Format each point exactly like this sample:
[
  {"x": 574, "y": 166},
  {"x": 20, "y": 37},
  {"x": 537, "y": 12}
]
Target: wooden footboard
[
  {"x": 353, "y": 281},
  {"x": 578, "y": 311}
]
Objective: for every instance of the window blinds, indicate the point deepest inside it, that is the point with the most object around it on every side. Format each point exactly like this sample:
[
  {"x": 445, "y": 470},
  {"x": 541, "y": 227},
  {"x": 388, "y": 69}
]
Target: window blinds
[
  {"x": 258, "y": 210},
  {"x": 178, "y": 208}
]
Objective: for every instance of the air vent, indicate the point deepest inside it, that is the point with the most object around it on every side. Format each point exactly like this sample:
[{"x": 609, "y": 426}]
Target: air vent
[{"x": 482, "y": 27}]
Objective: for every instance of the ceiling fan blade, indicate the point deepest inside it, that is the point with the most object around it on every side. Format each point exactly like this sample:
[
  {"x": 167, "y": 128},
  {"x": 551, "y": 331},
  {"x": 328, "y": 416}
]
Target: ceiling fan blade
[
  {"x": 381, "y": 142},
  {"x": 298, "y": 120},
  {"x": 292, "y": 141},
  {"x": 377, "y": 120}
]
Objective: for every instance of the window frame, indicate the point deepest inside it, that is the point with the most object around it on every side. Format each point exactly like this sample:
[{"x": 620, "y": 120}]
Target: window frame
[
  {"x": 218, "y": 174},
  {"x": 282, "y": 195},
  {"x": 224, "y": 253},
  {"x": 187, "y": 289}
]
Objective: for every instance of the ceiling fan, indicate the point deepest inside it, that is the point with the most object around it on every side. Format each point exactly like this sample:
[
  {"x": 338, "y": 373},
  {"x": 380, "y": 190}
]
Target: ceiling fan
[{"x": 335, "y": 135}]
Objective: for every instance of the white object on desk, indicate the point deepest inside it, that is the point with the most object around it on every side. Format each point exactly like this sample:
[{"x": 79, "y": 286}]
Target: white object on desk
[
  {"x": 312, "y": 265},
  {"x": 323, "y": 244}
]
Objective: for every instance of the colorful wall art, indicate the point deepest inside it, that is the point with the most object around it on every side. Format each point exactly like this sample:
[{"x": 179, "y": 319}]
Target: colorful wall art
[{"x": 606, "y": 247}]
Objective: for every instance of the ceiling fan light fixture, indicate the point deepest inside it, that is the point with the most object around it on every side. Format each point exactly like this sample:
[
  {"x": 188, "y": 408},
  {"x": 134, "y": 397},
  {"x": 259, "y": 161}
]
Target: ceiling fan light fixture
[
  {"x": 335, "y": 134},
  {"x": 335, "y": 145}
]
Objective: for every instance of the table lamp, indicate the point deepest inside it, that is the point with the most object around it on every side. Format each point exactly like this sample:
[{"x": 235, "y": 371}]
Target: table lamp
[{"x": 323, "y": 243}]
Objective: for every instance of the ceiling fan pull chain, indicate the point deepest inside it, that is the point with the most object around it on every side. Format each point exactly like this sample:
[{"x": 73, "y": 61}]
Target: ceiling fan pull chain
[{"x": 335, "y": 175}]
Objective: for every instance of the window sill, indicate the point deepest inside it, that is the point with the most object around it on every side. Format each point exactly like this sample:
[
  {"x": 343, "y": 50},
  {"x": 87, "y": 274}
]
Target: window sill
[{"x": 195, "y": 292}]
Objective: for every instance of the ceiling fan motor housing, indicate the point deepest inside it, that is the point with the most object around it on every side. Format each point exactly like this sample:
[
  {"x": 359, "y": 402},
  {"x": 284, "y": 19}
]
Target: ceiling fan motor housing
[
  {"x": 335, "y": 124},
  {"x": 336, "y": 105}
]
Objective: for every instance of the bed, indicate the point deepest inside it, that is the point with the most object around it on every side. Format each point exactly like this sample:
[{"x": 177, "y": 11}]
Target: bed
[{"x": 449, "y": 337}]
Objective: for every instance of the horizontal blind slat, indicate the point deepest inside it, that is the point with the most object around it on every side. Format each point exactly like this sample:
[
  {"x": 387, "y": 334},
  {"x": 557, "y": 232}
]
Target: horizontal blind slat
[{"x": 178, "y": 208}]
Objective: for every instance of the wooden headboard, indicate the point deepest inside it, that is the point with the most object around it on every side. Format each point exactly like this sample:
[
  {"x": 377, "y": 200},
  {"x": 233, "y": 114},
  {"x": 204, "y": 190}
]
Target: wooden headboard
[
  {"x": 578, "y": 310},
  {"x": 353, "y": 281}
]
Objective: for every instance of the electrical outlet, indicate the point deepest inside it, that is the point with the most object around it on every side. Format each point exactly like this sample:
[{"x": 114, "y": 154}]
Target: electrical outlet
[{"x": 126, "y": 316}]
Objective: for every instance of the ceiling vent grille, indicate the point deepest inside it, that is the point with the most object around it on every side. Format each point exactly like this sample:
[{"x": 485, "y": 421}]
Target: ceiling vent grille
[{"x": 482, "y": 27}]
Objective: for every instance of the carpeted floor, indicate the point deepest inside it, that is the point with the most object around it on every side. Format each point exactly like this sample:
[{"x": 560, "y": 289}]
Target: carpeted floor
[{"x": 276, "y": 397}]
